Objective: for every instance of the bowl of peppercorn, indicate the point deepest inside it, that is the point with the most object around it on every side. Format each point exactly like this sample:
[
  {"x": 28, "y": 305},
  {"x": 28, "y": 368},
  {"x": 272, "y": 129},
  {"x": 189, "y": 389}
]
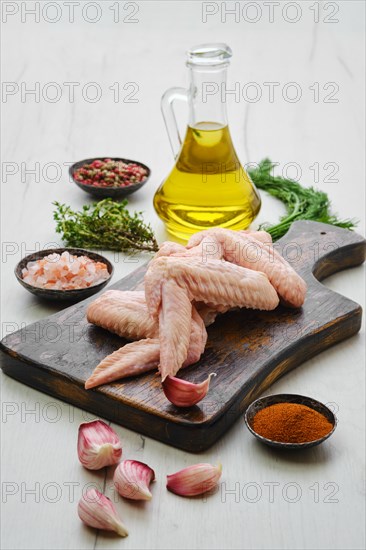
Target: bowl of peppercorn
[
  {"x": 290, "y": 421},
  {"x": 109, "y": 177}
]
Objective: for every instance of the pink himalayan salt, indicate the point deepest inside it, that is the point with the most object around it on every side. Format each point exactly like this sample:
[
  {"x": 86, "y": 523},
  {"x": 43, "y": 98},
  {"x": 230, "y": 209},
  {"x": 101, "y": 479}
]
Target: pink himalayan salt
[{"x": 64, "y": 272}]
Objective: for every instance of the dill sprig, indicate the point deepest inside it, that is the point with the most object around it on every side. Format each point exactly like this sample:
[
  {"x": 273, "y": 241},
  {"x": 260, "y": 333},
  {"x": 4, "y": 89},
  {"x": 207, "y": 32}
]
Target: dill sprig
[
  {"x": 106, "y": 224},
  {"x": 302, "y": 203}
]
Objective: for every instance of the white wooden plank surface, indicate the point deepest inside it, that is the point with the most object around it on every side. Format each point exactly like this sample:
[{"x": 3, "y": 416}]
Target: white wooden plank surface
[{"x": 39, "y": 450}]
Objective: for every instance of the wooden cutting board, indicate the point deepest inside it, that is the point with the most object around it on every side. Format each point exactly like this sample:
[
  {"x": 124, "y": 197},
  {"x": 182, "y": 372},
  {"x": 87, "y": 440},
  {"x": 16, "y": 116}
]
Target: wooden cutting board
[{"x": 248, "y": 350}]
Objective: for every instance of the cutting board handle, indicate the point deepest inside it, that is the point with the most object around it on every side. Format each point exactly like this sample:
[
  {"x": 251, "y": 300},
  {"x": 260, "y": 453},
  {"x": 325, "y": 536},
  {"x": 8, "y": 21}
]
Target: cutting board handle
[{"x": 321, "y": 249}]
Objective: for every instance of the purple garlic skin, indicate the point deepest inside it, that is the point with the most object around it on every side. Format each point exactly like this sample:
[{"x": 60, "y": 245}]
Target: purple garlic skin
[
  {"x": 185, "y": 394},
  {"x": 96, "y": 510},
  {"x": 132, "y": 480},
  {"x": 98, "y": 445},
  {"x": 194, "y": 480}
]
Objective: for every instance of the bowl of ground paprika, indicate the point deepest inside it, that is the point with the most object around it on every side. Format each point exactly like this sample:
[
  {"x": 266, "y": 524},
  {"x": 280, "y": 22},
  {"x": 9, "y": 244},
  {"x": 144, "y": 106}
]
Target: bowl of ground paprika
[{"x": 290, "y": 421}]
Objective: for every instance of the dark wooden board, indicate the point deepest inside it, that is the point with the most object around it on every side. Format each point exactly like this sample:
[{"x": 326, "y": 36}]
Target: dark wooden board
[{"x": 248, "y": 350}]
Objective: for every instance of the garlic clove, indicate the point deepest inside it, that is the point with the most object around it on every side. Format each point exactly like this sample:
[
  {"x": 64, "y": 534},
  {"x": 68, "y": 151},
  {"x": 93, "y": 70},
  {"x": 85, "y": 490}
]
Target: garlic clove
[
  {"x": 185, "y": 394},
  {"x": 132, "y": 480},
  {"x": 194, "y": 480},
  {"x": 97, "y": 510},
  {"x": 98, "y": 445}
]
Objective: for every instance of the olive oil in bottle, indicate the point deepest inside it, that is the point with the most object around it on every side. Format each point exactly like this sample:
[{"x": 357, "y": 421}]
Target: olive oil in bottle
[{"x": 208, "y": 186}]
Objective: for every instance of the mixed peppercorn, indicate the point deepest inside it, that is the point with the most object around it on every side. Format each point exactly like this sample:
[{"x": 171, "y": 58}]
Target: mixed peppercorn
[{"x": 110, "y": 173}]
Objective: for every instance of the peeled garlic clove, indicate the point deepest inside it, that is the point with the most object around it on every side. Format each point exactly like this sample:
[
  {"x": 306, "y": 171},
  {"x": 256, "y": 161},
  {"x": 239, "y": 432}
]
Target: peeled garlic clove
[
  {"x": 97, "y": 510},
  {"x": 98, "y": 445},
  {"x": 132, "y": 480},
  {"x": 185, "y": 394},
  {"x": 194, "y": 480}
]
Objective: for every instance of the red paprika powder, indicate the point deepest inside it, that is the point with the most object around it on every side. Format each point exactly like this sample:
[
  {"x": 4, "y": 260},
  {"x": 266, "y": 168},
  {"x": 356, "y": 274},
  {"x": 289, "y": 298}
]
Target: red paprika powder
[{"x": 291, "y": 423}]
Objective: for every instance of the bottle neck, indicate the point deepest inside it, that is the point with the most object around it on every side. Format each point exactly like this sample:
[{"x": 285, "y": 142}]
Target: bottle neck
[{"x": 206, "y": 96}]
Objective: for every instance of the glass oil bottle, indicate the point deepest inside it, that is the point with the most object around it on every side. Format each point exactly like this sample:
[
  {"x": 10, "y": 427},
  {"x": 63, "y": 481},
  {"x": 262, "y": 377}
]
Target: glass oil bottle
[{"x": 207, "y": 186}]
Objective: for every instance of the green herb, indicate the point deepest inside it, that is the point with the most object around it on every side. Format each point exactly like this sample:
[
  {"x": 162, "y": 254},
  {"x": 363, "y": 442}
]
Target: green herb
[
  {"x": 302, "y": 203},
  {"x": 106, "y": 224}
]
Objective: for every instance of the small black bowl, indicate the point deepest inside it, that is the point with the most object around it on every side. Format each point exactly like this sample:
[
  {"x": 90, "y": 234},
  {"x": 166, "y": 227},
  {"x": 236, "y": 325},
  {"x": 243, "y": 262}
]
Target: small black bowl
[
  {"x": 104, "y": 192},
  {"x": 62, "y": 295},
  {"x": 264, "y": 402}
]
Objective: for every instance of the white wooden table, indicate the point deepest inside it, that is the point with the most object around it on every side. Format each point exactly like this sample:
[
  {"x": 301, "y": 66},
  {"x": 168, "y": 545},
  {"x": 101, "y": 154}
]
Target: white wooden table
[{"x": 265, "y": 500}]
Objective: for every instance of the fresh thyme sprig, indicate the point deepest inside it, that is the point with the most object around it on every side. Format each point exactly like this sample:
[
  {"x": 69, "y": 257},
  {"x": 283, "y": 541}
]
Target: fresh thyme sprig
[
  {"x": 302, "y": 203},
  {"x": 106, "y": 224}
]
